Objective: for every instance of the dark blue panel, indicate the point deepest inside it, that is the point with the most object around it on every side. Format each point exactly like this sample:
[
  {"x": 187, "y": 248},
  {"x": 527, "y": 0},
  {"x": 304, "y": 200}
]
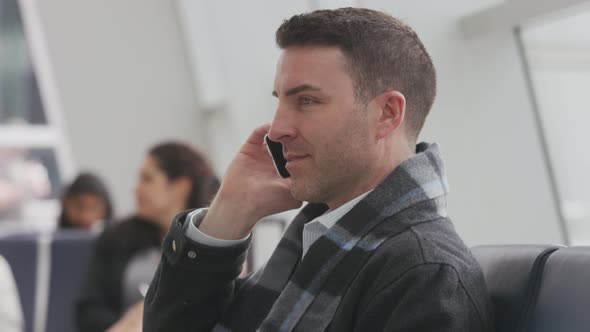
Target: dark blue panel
[
  {"x": 70, "y": 252},
  {"x": 21, "y": 253}
]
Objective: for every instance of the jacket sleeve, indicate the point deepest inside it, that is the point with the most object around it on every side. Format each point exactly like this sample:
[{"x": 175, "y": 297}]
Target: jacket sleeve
[
  {"x": 429, "y": 297},
  {"x": 193, "y": 285},
  {"x": 95, "y": 311}
]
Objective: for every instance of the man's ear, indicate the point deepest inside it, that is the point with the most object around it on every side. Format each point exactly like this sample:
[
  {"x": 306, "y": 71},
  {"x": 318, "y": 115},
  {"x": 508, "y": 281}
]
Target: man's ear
[{"x": 391, "y": 108}]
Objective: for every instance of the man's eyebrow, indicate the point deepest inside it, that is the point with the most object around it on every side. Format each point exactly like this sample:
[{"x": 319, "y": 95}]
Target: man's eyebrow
[{"x": 297, "y": 89}]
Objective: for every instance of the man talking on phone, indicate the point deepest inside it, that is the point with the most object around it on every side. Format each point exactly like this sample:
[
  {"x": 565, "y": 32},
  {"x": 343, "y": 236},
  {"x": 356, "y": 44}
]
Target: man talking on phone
[{"x": 374, "y": 249}]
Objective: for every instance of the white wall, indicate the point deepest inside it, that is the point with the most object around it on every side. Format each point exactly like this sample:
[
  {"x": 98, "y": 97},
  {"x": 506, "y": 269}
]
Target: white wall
[
  {"x": 482, "y": 117},
  {"x": 124, "y": 83},
  {"x": 564, "y": 104},
  {"x": 558, "y": 51}
]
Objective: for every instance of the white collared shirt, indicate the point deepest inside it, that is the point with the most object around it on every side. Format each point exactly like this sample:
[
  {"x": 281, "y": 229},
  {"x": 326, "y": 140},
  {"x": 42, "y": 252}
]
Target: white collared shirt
[{"x": 312, "y": 231}]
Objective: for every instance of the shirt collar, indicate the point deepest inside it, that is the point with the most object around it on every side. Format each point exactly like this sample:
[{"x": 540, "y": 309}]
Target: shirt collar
[{"x": 331, "y": 217}]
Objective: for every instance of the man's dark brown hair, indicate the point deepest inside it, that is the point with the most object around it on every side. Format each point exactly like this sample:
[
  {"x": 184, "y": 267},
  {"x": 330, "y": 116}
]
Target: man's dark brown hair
[{"x": 383, "y": 53}]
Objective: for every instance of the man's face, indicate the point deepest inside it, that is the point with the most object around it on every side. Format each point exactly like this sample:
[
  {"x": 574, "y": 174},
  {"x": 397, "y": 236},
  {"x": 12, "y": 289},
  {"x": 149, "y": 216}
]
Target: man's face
[{"x": 324, "y": 131}]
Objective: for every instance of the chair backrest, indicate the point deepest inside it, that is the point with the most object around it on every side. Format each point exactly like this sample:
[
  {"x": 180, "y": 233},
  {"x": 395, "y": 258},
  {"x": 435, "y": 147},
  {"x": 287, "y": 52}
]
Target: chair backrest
[
  {"x": 70, "y": 253},
  {"x": 513, "y": 274},
  {"x": 20, "y": 251},
  {"x": 48, "y": 270},
  {"x": 564, "y": 297}
]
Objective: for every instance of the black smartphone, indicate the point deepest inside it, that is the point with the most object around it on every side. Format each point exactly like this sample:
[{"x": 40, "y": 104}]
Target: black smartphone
[{"x": 276, "y": 152}]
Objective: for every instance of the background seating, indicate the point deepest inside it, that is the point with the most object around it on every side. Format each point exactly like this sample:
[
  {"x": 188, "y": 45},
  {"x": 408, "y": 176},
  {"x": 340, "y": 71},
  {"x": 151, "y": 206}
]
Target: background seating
[
  {"x": 564, "y": 297},
  {"x": 54, "y": 263},
  {"x": 21, "y": 252},
  {"x": 70, "y": 252}
]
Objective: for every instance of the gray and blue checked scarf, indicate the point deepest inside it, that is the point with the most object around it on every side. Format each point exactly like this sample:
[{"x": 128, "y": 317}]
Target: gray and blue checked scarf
[{"x": 291, "y": 291}]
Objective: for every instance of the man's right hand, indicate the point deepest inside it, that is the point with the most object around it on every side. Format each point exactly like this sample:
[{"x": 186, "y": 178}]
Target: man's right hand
[{"x": 251, "y": 190}]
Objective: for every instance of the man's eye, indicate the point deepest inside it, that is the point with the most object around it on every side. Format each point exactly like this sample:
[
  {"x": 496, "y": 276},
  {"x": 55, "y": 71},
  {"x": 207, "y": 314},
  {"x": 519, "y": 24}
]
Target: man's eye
[{"x": 305, "y": 101}]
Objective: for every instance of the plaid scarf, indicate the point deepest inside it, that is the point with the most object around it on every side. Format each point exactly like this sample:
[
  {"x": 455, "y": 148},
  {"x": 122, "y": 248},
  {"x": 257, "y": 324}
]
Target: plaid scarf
[{"x": 291, "y": 291}]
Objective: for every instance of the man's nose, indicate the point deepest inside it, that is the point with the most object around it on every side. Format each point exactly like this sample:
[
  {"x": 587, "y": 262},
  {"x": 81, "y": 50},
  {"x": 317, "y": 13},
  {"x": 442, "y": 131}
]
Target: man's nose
[{"x": 283, "y": 126}]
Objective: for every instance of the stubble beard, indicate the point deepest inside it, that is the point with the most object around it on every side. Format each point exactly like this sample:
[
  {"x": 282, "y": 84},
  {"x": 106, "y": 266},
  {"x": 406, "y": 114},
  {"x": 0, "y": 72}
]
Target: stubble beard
[{"x": 331, "y": 177}]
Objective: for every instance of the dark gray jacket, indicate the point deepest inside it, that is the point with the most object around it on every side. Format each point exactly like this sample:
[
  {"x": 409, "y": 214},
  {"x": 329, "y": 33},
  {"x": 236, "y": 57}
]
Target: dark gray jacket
[{"x": 393, "y": 263}]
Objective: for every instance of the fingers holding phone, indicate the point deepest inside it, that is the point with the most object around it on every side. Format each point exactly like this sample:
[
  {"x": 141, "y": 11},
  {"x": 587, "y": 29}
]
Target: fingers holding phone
[{"x": 251, "y": 189}]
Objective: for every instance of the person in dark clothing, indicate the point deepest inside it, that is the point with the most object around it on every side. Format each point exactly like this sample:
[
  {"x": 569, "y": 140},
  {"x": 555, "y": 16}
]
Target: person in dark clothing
[
  {"x": 374, "y": 250},
  {"x": 85, "y": 204},
  {"x": 174, "y": 177}
]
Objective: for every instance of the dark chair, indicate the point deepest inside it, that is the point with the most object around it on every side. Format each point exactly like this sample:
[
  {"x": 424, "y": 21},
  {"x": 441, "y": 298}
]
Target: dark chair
[
  {"x": 564, "y": 297},
  {"x": 70, "y": 253},
  {"x": 513, "y": 275},
  {"x": 21, "y": 252}
]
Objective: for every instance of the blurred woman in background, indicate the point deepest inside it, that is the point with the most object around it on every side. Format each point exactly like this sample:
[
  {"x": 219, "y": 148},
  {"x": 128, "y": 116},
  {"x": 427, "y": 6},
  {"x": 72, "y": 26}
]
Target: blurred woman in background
[
  {"x": 174, "y": 177},
  {"x": 86, "y": 204}
]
